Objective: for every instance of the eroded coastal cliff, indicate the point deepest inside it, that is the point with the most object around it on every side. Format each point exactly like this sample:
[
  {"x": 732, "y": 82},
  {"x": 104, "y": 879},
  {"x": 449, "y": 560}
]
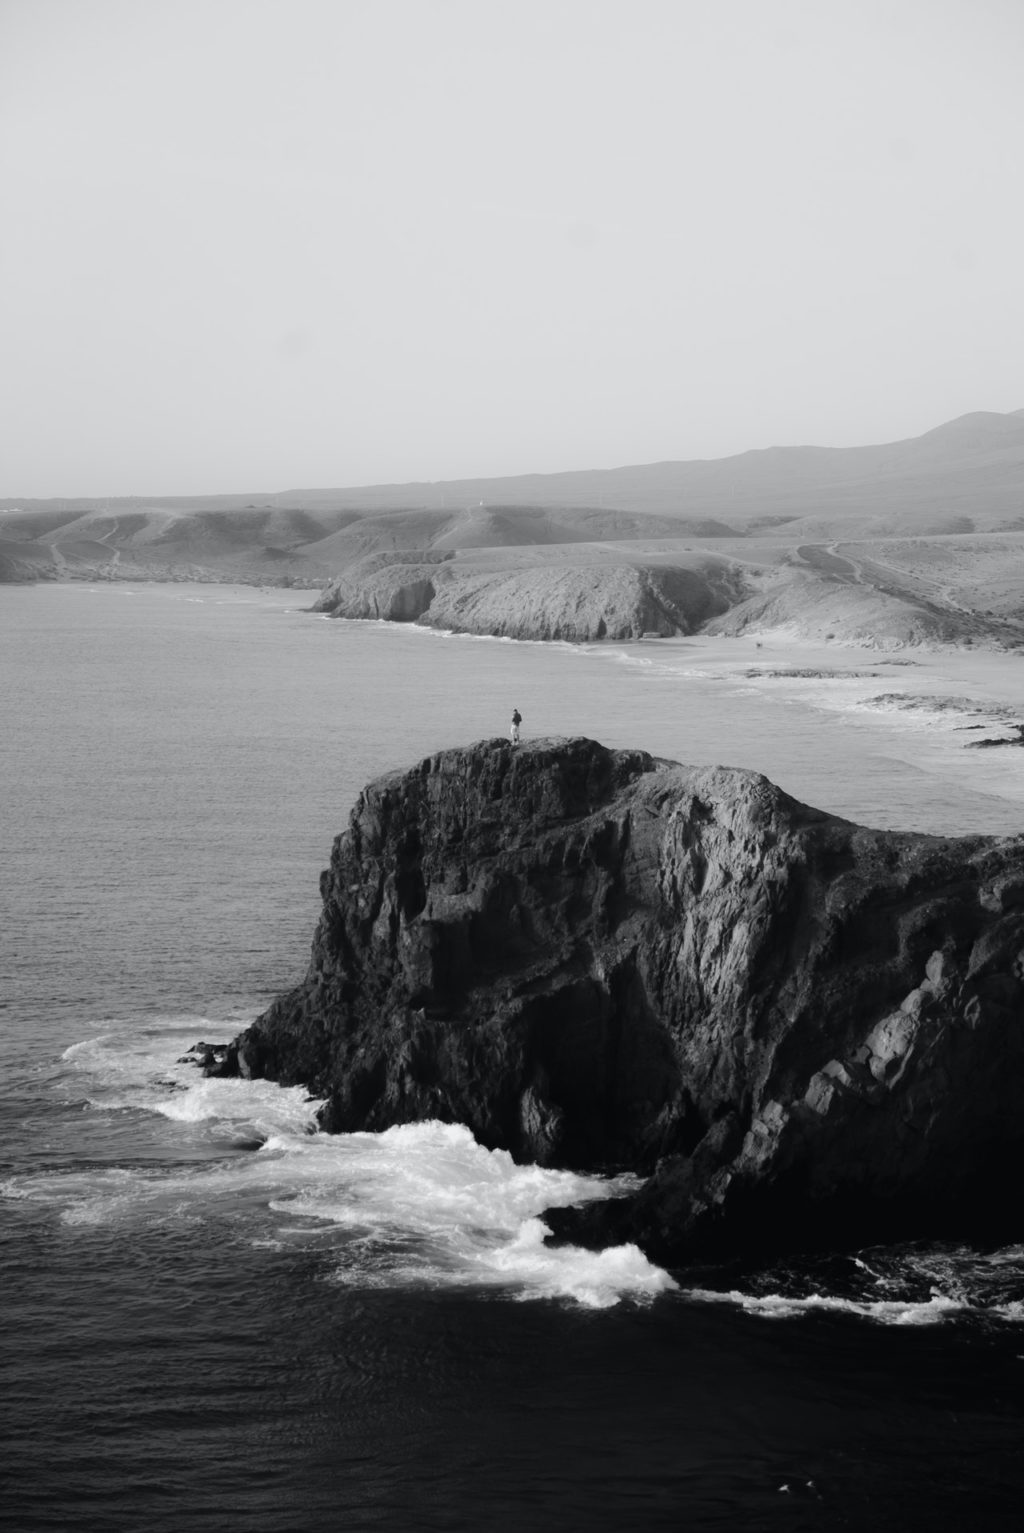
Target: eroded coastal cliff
[
  {"x": 576, "y": 601},
  {"x": 795, "y": 1028}
]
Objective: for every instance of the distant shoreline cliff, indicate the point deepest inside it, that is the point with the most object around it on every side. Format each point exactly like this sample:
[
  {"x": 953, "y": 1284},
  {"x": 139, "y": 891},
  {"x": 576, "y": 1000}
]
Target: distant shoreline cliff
[
  {"x": 918, "y": 542},
  {"x": 795, "y": 1028},
  {"x": 572, "y": 601}
]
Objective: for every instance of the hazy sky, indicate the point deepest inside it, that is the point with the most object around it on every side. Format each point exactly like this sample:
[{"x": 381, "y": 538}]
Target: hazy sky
[{"x": 257, "y": 244}]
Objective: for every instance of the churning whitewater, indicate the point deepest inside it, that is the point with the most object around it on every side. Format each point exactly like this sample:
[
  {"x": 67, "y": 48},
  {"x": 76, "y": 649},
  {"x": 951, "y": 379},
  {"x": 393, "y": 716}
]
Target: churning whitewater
[
  {"x": 419, "y": 1204},
  {"x": 423, "y": 1205}
]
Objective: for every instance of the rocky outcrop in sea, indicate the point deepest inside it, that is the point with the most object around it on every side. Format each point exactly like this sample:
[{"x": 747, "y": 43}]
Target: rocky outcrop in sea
[{"x": 796, "y": 1029}]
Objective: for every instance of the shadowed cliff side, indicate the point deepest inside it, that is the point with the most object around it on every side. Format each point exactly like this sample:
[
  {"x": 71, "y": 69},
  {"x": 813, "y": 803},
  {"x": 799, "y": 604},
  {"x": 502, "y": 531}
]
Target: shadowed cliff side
[{"x": 798, "y": 1027}]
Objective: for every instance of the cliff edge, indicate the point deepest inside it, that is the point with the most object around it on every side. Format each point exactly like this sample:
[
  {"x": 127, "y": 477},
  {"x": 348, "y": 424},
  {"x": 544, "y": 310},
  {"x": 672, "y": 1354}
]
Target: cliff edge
[
  {"x": 796, "y": 1028},
  {"x": 576, "y": 597}
]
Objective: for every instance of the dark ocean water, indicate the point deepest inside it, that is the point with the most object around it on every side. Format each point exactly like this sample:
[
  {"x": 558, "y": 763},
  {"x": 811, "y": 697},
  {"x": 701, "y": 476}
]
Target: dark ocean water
[{"x": 216, "y": 1319}]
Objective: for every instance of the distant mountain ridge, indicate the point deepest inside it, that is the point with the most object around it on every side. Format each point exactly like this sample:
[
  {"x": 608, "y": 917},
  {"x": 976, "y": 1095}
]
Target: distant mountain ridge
[{"x": 942, "y": 466}]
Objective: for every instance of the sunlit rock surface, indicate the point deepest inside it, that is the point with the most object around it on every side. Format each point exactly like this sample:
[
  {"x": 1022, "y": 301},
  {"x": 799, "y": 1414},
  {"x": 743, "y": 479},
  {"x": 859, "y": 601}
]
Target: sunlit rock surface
[{"x": 573, "y": 602}]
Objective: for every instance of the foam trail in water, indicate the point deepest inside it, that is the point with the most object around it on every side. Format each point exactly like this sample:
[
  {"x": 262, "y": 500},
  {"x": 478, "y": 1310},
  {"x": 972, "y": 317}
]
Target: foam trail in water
[
  {"x": 147, "y": 1070},
  {"x": 424, "y": 1204},
  {"x": 914, "y": 1284},
  {"x": 472, "y": 1213},
  {"x": 420, "y": 1203},
  {"x": 775, "y": 1306}
]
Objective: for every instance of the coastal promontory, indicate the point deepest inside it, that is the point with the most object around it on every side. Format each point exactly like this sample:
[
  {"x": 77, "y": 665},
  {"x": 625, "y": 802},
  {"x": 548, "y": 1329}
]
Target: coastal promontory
[{"x": 792, "y": 1027}]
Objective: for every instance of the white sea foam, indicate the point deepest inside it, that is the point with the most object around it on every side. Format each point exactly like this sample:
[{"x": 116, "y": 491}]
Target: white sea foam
[
  {"x": 229, "y": 1101},
  {"x": 420, "y": 1204},
  {"x": 429, "y": 1204},
  {"x": 149, "y": 1071},
  {"x": 917, "y": 1284},
  {"x": 596, "y": 1279},
  {"x": 776, "y": 1306}
]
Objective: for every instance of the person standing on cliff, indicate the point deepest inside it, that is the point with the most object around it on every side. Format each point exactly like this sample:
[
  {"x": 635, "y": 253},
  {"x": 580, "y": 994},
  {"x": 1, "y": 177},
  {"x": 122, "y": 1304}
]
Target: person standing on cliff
[{"x": 517, "y": 719}]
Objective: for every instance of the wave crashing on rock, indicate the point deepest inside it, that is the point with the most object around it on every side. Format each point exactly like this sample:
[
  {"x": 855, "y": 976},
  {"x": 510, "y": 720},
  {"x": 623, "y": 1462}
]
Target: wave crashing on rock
[{"x": 796, "y": 1029}]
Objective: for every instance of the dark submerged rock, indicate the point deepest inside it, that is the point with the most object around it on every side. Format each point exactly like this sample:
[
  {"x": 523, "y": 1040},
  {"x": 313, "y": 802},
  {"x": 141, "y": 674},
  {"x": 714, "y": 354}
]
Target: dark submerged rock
[
  {"x": 800, "y": 1030},
  {"x": 212, "y": 1058},
  {"x": 1016, "y": 739}
]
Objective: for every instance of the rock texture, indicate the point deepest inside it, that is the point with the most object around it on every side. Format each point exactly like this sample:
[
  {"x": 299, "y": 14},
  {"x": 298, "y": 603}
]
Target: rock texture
[
  {"x": 798, "y": 1029},
  {"x": 574, "y": 602}
]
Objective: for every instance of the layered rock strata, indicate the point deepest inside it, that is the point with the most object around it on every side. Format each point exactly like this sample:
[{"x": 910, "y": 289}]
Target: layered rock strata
[{"x": 796, "y": 1028}]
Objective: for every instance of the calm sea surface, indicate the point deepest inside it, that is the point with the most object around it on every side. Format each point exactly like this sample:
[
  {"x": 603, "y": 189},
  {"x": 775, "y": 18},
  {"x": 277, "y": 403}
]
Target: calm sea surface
[{"x": 215, "y": 1319}]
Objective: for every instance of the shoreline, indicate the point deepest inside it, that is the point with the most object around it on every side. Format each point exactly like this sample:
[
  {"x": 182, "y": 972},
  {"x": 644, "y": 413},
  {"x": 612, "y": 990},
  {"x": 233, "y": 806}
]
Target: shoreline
[
  {"x": 787, "y": 652},
  {"x": 737, "y": 622}
]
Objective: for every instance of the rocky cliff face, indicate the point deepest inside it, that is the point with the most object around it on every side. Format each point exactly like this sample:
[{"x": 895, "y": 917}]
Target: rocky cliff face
[
  {"x": 797, "y": 1027},
  {"x": 569, "y": 602}
]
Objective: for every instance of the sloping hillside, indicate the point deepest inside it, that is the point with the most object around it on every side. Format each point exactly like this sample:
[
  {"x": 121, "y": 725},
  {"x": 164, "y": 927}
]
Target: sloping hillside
[{"x": 913, "y": 541}]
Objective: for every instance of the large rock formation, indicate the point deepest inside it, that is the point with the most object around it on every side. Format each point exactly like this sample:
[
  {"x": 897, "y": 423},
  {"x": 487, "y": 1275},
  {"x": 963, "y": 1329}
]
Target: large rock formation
[
  {"x": 795, "y": 1027},
  {"x": 577, "y": 598}
]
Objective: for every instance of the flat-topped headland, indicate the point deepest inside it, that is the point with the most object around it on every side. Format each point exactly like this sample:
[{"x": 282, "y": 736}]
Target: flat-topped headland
[{"x": 796, "y": 1029}]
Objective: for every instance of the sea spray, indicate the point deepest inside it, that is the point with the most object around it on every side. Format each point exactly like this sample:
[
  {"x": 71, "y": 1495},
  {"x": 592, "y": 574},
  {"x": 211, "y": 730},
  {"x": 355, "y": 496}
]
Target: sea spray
[{"x": 419, "y": 1204}]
